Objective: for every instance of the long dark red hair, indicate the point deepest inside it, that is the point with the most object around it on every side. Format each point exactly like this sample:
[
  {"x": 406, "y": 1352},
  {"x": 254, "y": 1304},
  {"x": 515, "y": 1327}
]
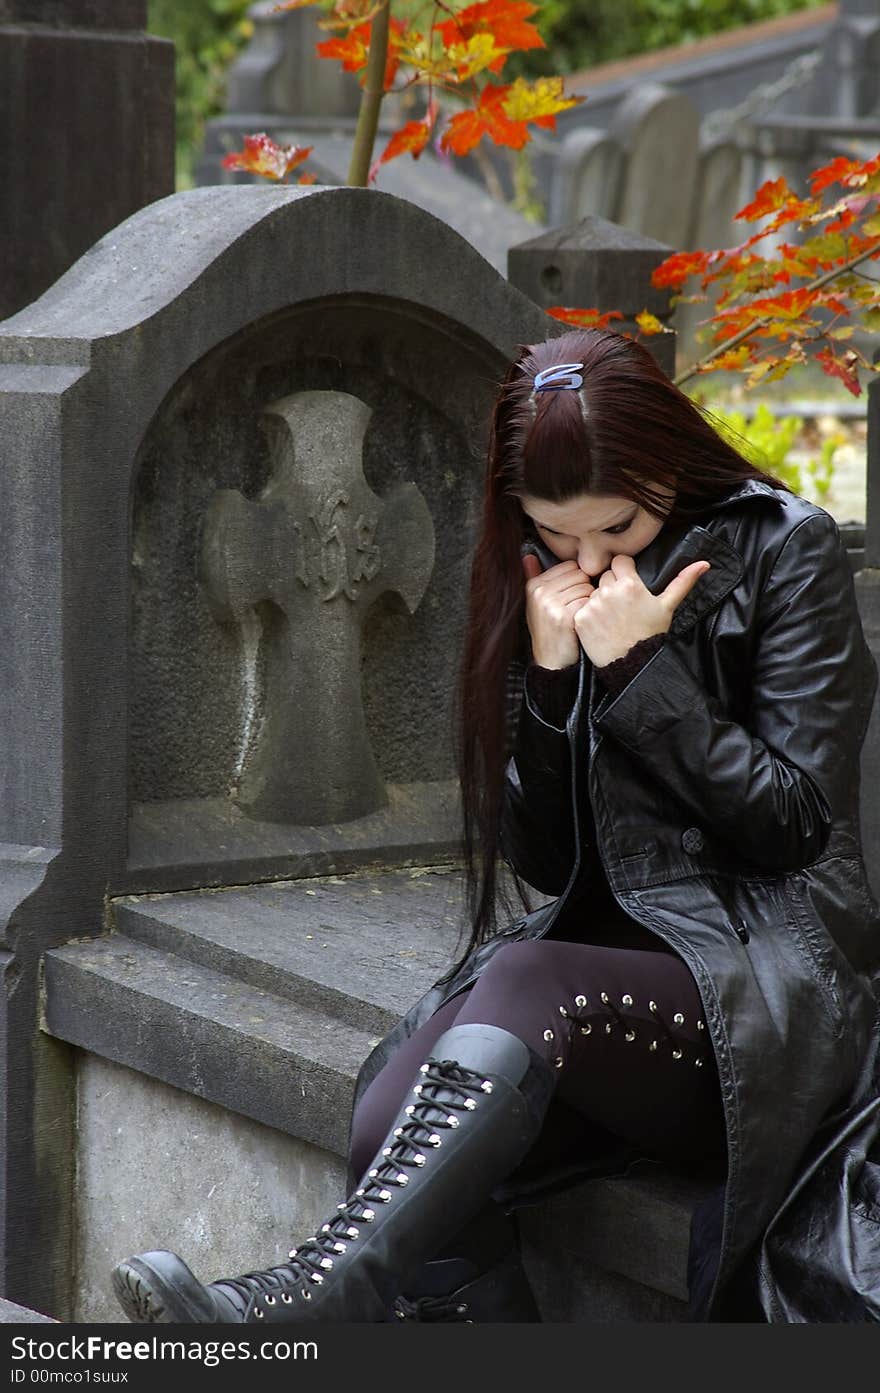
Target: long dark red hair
[{"x": 627, "y": 432}]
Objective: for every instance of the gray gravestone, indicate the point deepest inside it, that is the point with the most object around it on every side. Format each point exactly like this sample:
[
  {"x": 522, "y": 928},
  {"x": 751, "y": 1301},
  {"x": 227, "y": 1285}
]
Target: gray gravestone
[
  {"x": 658, "y": 131},
  {"x": 150, "y": 540},
  {"x": 586, "y": 177},
  {"x": 87, "y": 111},
  {"x": 597, "y": 265}
]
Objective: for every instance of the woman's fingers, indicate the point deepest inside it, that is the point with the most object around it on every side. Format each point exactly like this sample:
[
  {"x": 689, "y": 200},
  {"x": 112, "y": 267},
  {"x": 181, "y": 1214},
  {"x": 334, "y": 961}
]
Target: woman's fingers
[
  {"x": 682, "y": 584},
  {"x": 531, "y": 565}
]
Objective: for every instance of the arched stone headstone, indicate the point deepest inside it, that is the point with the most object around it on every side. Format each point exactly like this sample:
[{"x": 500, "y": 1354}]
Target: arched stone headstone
[
  {"x": 658, "y": 131},
  {"x": 152, "y": 614},
  {"x": 586, "y": 177}
]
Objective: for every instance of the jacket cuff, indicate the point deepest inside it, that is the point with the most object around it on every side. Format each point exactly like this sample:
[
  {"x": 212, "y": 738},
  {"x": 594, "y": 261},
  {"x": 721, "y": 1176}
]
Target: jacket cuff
[
  {"x": 617, "y": 675},
  {"x": 551, "y": 692}
]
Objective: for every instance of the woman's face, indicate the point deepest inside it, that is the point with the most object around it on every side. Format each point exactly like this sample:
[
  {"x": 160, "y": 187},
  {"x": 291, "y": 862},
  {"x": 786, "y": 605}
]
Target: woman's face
[{"x": 592, "y": 528}]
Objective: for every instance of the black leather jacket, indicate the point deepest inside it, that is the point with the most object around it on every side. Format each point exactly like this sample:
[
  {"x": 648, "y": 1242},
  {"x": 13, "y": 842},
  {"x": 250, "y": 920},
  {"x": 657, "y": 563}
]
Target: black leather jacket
[{"x": 720, "y": 790}]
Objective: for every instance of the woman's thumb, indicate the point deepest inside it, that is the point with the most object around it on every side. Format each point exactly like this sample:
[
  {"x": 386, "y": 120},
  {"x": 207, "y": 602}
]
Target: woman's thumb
[
  {"x": 531, "y": 565},
  {"x": 682, "y": 584}
]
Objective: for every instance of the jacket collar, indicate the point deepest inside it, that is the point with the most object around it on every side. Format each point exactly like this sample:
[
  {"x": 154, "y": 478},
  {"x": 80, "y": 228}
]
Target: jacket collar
[{"x": 674, "y": 548}]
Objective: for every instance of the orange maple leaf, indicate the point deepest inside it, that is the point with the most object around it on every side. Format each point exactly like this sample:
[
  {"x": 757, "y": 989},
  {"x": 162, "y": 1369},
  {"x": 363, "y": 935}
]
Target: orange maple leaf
[
  {"x": 845, "y": 368},
  {"x": 584, "y": 319},
  {"x": 676, "y": 269},
  {"x": 262, "y": 156},
  {"x": 774, "y": 196},
  {"x": 467, "y": 128},
  {"x": 505, "y": 20},
  {"x": 411, "y": 138},
  {"x": 353, "y": 50}
]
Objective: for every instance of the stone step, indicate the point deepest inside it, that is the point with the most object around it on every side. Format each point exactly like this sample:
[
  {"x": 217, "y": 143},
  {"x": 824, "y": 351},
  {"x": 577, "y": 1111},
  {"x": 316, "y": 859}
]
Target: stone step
[
  {"x": 11, "y": 1314},
  {"x": 361, "y": 947},
  {"x": 288, "y": 1065},
  {"x": 266, "y": 999}
]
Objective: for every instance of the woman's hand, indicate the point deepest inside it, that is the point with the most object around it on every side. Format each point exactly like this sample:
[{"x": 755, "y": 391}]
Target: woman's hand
[
  {"x": 552, "y": 599},
  {"x": 621, "y": 610}
]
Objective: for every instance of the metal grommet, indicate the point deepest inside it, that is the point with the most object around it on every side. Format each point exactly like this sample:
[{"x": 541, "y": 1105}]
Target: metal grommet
[
  {"x": 270, "y": 1300},
  {"x": 604, "y": 997},
  {"x": 260, "y": 1315},
  {"x": 486, "y": 1086},
  {"x": 608, "y": 1028},
  {"x": 678, "y": 1018},
  {"x": 653, "y": 1045},
  {"x": 423, "y": 1068},
  {"x": 585, "y": 1029},
  {"x": 451, "y": 1120},
  {"x": 627, "y": 999},
  {"x": 286, "y": 1299},
  {"x": 676, "y": 1054},
  {"x": 580, "y": 1001},
  {"x": 630, "y": 1036},
  {"x": 548, "y": 1034},
  {"x": 562, "y": 1011},
  {"x": 701, "y": 1025},
  {"x": 699, "y": 1061},
  {"x": 652, "y": 1006},
  {"x": 558, "y": 1061}
]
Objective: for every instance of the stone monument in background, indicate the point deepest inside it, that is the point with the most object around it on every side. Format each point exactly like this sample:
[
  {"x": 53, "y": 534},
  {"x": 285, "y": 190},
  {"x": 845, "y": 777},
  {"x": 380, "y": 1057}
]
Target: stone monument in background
[{"x": 87, "y": 115}]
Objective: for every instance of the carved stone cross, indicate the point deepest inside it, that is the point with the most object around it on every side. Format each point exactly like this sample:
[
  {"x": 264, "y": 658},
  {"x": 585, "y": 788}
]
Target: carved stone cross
[{"x": 320, "y": 547}]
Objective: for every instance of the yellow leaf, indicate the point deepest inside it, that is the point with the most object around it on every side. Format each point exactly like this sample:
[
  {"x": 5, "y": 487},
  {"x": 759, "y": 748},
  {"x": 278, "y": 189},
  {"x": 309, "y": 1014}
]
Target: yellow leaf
[
  {"x": 650, "y": 324},
  {"x": 846, "y": 332},
  {"x": 527, "y": 101}
]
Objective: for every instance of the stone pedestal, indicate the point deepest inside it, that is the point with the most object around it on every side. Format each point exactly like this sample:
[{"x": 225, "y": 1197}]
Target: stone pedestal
[{"x": 87, "y": 112}]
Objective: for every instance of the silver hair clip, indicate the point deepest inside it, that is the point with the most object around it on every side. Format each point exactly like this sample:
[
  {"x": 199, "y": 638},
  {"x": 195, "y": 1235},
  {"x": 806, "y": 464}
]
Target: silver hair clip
[{"x": 561, "y": 375}]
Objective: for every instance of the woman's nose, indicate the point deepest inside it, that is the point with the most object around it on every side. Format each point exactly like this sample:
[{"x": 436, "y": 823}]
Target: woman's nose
[{"x": 593, "y": 560}]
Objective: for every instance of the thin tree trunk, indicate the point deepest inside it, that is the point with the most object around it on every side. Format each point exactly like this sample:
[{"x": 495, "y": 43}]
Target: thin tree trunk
[{"x": 371, "y": 99}]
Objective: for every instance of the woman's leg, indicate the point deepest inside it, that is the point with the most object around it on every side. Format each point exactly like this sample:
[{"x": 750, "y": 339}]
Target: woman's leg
[
  {"x": 624, "y": 1031},
  {"x": 623, "y": 1028}
]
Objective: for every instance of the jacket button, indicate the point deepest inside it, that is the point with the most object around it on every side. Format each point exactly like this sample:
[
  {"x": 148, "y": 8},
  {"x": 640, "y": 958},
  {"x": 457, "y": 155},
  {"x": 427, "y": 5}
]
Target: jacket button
[{"x": 692, "y": 840}]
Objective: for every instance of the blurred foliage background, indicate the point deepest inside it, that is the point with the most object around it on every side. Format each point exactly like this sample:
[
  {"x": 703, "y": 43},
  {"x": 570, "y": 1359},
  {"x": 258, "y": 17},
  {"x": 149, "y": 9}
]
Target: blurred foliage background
[{"x": 579, "y": 33}]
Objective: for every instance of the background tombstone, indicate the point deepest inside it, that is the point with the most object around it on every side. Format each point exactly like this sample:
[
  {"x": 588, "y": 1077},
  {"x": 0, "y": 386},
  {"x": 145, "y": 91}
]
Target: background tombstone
[
  {"x": 597, "y": 265},
  {"x": 87, "y": 112},
  {"x": 586, "y": 177},
  {"x": 126, "y": 417},
  {"x": 658, "y": 131}
]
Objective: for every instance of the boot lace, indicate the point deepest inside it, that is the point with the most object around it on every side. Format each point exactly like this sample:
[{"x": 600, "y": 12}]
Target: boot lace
[
  {"x": 431, "y": 1308},
  {"x": 446, "y": 1093}
]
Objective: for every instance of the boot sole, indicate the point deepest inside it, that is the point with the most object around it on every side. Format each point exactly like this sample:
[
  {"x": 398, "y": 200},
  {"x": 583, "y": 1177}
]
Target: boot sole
[{"x": 147, "y": 1296}]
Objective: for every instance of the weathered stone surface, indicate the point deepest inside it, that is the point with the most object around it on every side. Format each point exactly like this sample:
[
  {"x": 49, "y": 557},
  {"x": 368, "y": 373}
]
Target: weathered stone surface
[
  {"x": 658, "y": 131},
  {"x": 11, "y": 1314},
  {"x": 130, "y": 394},
  {"x": 76, "y": 14},
  {"x": 71, "y": 166},
  {"x": 437, "y": 186},
  {"x": 159, "y": 1168},
  {"x": 322, "y": 547},
  {"x": 277, "y": 73},
  {"x": 598, "y": 265},
  {"x": 586, "y": 176}
]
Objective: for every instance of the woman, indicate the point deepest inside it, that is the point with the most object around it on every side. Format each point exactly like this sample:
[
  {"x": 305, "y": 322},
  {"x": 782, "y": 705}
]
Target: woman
[{"x": 673, "y": 639}]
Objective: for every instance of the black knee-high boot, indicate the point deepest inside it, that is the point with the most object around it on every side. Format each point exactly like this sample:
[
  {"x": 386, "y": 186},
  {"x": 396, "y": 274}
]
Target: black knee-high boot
[
  {"x": 477, "y": 1105},
  {"x": 477, "y": 1278}
]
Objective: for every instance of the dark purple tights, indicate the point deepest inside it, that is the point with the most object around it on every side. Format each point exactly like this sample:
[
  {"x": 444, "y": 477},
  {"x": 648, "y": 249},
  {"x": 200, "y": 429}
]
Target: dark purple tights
[{"x": 623, "y": 1027}]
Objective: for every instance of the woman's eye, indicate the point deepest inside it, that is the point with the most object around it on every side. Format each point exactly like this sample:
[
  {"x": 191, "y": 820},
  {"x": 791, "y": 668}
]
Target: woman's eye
[{"x": 619, "y": 527}]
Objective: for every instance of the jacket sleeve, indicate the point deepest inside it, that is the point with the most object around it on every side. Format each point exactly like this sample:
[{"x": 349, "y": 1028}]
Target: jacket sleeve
[
  {"x": 537, "y": 820},
  {"x": 770, "y": 785}
]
